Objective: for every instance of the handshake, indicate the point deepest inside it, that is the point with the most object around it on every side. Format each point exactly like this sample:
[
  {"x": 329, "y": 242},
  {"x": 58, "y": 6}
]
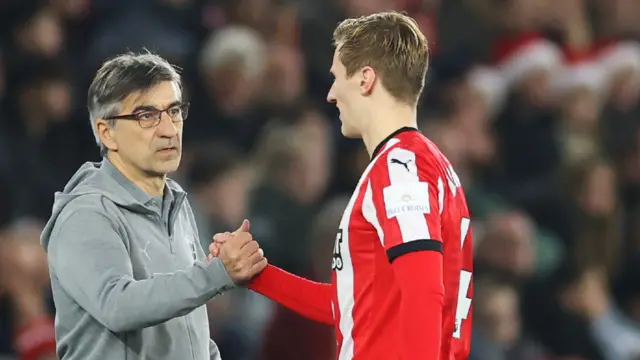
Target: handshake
[{"x": 241, "y": 256}]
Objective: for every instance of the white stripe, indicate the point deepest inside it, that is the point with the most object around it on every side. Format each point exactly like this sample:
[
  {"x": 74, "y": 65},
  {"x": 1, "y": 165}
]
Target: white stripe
[
  {"x": 369, "y": 212},
  {"x": 413, "y": 225},
  {"x": 464, "y": 229},
  {"x": 333, "y": 310},
  {"x": 440, "y": 195},
  {"x": 344, "y": 283},
  {"x": 344, "y": 277}
]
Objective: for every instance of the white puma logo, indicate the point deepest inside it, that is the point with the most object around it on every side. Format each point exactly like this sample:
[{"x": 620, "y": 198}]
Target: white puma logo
[{"x": 144, "y": 250}]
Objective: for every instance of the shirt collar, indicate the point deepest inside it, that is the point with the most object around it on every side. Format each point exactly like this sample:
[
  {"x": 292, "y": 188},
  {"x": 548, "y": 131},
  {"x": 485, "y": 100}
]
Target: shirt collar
[
  {"x": 140, "y": 195},
  {"x": 378, "y": 148}
]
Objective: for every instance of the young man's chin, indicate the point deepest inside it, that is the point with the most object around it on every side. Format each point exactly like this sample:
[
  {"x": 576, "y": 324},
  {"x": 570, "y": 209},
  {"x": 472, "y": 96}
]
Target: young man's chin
[{"x": 350, "y": 132}]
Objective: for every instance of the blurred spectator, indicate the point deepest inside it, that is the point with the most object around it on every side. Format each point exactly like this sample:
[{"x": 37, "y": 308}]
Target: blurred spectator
[
  {"x": 497, "y": 329},
  {"x": 43, "y": 134},
  {"x": 585, "y": 294},
  {"x": 23, "y": 281},
  {"x": 220, "y": 181},
  {"x": 37, "y": 31},
  {"x": 232, "y": 64},
  {"x": 508, "y": 245},
  {"x": 295, "y": 163},
  {"x": 592, "y": 186}
]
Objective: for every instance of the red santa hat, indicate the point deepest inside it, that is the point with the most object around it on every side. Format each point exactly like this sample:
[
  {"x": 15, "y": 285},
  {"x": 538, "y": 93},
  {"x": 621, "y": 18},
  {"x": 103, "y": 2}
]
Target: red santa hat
[
  {"x": 582, "y": 70},
  {"x": 491, "y": 85},
  {"x": 516, "y": 56}
]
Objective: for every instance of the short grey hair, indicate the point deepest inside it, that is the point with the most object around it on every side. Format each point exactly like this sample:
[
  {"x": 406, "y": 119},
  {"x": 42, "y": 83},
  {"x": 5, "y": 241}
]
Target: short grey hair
[{"x": 121, "y": 76}]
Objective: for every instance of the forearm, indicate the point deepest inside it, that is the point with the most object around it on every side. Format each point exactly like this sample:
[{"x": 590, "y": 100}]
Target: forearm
[
  {"x": 419, "y": 276},
  {"x": 94, "y": 267},
  {"x": 308, "y": 298},
  {"x": 124, "y": 304}
]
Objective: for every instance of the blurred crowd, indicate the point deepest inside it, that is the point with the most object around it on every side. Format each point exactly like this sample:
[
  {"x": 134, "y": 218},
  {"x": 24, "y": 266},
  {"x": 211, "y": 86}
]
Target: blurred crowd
[{"x": 535, "y": 102}]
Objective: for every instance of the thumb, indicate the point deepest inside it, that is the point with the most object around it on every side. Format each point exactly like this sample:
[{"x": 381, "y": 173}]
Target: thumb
[{"x": 245, "y": 227}]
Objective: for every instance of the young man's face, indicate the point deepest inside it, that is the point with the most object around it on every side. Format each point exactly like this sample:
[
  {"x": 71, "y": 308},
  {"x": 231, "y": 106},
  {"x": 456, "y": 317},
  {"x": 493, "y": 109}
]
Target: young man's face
[
  {"x": 154, "y": 149},
  {"x": 344, "y": 93}
]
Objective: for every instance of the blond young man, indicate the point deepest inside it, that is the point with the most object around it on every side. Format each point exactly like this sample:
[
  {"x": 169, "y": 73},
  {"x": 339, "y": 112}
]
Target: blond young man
[{"x": 402, "y": 262}]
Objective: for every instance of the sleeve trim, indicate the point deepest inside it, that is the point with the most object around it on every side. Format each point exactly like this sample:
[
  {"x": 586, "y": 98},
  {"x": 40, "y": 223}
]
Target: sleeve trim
[{"x": 412, "y": 246}]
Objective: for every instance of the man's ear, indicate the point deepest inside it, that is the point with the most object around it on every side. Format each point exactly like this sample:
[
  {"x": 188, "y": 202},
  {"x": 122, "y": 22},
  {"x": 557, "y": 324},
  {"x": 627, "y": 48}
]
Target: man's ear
[
  {"x": 106, "y": 133},
  {"x": 368, "y": 78}
]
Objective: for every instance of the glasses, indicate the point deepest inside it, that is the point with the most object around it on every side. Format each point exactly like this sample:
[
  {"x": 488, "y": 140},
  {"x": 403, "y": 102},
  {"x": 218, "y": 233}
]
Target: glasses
[{"x": 148, "y": 116}]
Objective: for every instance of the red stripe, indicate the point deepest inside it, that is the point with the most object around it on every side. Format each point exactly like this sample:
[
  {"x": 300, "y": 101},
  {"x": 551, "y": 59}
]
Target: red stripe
[
  {"x": 363, "y": 271},
  {"x": 577, "y": 56}
]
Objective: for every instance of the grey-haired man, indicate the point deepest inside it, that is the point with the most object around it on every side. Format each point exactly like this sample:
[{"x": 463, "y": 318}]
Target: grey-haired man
[{"x": 129, "y": 277}]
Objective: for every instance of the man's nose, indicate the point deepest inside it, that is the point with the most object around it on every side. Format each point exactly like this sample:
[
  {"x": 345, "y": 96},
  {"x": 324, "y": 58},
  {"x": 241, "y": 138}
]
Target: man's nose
[
  {"x": 330, "y": 97},
  {"x": 167, "y": 127}
]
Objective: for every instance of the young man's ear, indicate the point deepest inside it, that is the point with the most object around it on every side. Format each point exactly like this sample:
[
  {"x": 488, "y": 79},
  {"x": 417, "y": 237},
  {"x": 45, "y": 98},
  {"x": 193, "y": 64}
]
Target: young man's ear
[{"x": 368, "y": 79}]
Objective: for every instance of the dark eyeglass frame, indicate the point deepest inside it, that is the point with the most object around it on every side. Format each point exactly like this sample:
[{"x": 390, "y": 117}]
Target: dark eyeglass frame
[{"x": 155, "y": 113}]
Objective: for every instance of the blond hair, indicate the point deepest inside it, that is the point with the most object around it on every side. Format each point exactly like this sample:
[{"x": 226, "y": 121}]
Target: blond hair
[{"x": 392, "y": 44}]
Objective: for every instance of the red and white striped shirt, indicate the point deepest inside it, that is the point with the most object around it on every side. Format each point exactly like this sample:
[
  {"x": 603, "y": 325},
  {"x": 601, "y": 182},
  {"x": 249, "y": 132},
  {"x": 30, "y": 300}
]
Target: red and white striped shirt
[{"x": 408, "y": 201}]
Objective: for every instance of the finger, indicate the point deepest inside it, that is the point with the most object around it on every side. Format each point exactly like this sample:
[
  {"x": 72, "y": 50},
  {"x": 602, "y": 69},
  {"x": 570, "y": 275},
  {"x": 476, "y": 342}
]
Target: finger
[
  {"x": 249, "y": 248},
  {"x": 245, "y": 227},
  {"x": 258, "y": 267},
  {"x": 222, "y": 237},
  {"x": 240, "y": 239},
  {"x": 214, "y": 249},
  {"x": 256, "y": 256},
  {"x": 236, "y": 242}
]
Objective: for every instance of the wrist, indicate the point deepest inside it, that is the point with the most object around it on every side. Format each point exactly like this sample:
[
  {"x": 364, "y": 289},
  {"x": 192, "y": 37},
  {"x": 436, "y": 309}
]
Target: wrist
[{"x": 219, "y": 275}]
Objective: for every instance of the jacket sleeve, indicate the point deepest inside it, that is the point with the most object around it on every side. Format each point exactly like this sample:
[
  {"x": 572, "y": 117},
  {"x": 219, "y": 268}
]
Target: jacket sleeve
[
  {"x": 214, "y": 352},
  {"x": 90, "y": 261}
]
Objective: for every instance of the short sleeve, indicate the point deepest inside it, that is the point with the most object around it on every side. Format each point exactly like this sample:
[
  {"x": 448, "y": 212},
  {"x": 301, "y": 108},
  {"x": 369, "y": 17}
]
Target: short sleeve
[{"x": 407, "y": 193}]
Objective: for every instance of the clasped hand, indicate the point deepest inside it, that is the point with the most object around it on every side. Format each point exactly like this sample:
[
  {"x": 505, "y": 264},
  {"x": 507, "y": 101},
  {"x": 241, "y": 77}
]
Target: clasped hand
[{"x": 241, "y": 255}]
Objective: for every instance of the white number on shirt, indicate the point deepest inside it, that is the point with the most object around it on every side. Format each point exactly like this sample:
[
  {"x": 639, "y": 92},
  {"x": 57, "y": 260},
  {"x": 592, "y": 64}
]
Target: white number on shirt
[{"x": 464, "y": 303}]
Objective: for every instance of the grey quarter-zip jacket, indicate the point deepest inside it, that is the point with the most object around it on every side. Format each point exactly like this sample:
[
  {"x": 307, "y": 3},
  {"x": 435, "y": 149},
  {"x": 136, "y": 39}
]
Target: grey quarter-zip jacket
[{"x": 129, "y": 277}]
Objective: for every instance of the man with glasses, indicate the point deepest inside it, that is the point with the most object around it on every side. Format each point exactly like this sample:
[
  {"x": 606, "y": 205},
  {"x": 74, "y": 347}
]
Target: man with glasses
[{"x": 128, "y": 275}]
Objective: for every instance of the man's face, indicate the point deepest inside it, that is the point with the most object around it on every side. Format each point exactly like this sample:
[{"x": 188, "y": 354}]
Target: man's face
[
  {"x": 155, "y": 150},
  {"x": 343, "y": 93}
]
